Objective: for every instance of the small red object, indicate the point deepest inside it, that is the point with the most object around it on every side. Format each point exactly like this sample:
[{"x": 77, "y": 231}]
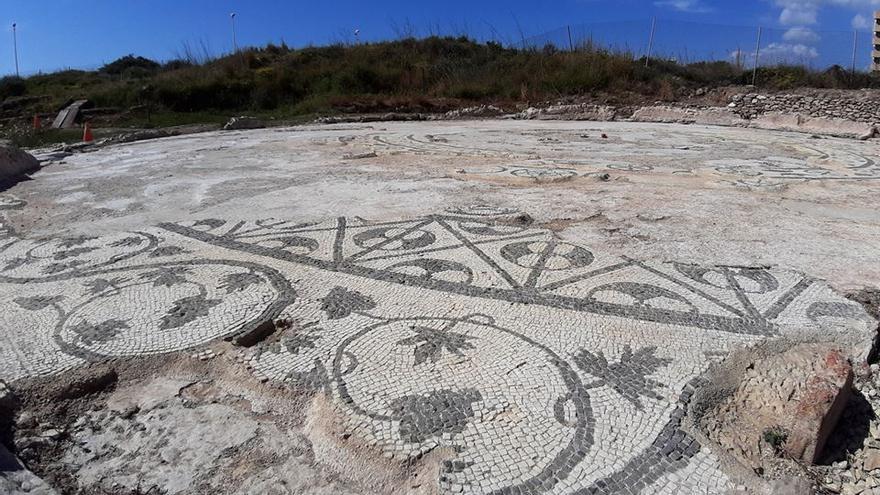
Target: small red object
[
  {"x": 87, "y": 134},
  {"x": 37, "y": 123}
]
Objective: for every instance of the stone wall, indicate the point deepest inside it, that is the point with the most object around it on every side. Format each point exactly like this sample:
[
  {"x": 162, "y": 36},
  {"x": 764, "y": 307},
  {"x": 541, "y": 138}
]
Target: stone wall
[{"x": 859, "y": 106}]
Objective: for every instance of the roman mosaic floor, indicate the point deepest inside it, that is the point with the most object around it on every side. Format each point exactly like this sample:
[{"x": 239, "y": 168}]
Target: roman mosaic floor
[
  {"x": 545, "y": 364},
  {"x": 556, "y": 155}
]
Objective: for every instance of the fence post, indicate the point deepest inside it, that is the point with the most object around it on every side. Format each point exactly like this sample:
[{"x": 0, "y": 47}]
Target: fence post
[
  {"x": 650, "y": 41},
  {"x": 855, "y": 44},
  {"x": 757, "y": 54},
  {"x": 570, "y": 44}
]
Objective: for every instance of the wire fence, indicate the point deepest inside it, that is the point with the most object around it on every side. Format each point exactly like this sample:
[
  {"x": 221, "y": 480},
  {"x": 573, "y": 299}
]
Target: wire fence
[{"x": 690, "y": 42}]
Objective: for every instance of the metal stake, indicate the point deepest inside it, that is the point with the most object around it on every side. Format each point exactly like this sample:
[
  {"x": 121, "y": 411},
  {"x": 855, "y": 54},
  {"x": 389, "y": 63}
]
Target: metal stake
[
  {"x": 234, "y": 41},
  {"x": 855, "y": 44},
  {"x": 15, "y": 45},
  {"x": 757, "y": 54},
  {"x": 570, "y": 44}
]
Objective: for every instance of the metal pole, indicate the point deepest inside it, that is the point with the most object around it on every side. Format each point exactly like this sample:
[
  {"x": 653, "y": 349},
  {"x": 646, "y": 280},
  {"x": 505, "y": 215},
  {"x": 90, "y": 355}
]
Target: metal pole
[
  {"x": 234, "y": 41},
  {"x": 570, "y": 44},
  {"x": 855, "y": 44},
  {"x": 757, "y": 54},
  {"x": 650, "y": 41},
  {"x": 15, "y": 45}
]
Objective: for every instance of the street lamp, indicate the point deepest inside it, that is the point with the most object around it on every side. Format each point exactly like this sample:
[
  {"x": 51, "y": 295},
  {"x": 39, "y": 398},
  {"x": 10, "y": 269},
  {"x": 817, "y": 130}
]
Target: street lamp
[
  {"x": 234, "y": 42},
  {"x": 357, "y": 36},
  {"x": 15, "y": 45}
]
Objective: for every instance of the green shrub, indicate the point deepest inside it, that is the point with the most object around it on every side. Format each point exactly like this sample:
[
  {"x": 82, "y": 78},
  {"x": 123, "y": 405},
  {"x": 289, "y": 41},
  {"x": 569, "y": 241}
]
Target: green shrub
[
  {"x": 176, "y": 64},
  {"x": 378, "y": 76},
  {"x": 12, "y": 86},
  {"x": 129, "y": 62}
]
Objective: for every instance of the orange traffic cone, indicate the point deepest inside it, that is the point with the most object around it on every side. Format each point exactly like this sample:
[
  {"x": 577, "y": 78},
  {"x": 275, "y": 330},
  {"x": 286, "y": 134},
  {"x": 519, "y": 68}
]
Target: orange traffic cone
[
  {"x": 87, "y": 134},
  {"x": 37, "y": 123}
]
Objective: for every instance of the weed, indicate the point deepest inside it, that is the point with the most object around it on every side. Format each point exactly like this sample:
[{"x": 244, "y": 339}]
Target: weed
[{"x": 776, "y": 438}]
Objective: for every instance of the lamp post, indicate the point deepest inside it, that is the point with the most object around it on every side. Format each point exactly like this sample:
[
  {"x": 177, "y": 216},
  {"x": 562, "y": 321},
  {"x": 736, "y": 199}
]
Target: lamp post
[
  {"x": 15, "y": 47},
  {"x": 234, "y": 42}
]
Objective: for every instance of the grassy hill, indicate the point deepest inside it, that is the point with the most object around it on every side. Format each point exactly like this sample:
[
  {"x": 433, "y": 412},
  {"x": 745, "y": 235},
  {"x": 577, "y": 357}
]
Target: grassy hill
[{"x": 431, "y": 74}]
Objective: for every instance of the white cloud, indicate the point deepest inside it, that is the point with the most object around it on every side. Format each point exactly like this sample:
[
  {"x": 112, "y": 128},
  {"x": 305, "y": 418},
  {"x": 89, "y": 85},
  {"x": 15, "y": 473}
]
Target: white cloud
[
  {"x": 806, "y": 12},
  {"x": 798, "y": 13},
  {"x": 787, "y": 52},
  {"x": 683, "y": 5},
  {"x": 860, "y": 22},
  {"x": 776, "y": 53},
  {"x": 801, "y": 34}
]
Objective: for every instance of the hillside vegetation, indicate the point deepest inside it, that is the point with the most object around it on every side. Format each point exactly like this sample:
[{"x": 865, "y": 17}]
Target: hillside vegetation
[{"x": 431, "y": 74}]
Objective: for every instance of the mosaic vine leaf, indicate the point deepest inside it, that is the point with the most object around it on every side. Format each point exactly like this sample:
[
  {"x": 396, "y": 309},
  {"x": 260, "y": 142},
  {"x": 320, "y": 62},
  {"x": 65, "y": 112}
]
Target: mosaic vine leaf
[
  {"x": 298, "y": 341},
  {"x": 430, "y": 342},
  {"x": 239, "y": 281},
  {"x": 37, "y": 303},
  {"x": 629, "y": 376},
  {"x": 341, "y": 302},
  {"x": 99, "y": 333},
  {"x": 166, "y": 276},
  {"x": 211, "y": 223},
  {"x": 167, "y": 251},
  {"x": 127, "y": 242},
  {"x": 75, "y": 241},
  {"x": 187, "y": 310},
  {"x": 73, "y": 253},
  {"x": 99, "y": 285},
  {"x": 55, "y": 268}
]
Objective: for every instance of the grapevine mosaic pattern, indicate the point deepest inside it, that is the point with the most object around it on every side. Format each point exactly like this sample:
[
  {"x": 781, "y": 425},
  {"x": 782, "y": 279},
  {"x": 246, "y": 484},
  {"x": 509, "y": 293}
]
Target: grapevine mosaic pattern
[
  {"x": 543, "y": 366},
  {"x": 557, "y": 154}
]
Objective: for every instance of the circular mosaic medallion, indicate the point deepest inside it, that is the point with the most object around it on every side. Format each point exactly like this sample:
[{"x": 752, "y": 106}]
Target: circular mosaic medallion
[
  {"x": 59, "y": 258},
  {"x": 471, "y": 386},
  {"x": 164, "y": 308}
]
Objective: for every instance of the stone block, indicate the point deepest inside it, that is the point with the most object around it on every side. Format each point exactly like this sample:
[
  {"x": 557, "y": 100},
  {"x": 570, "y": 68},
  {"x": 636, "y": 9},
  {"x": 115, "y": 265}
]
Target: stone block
[{"x": 786, "y": 405}]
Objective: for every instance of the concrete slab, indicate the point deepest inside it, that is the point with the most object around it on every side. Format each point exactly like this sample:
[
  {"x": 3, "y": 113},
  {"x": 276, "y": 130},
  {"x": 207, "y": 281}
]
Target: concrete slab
[{"x": 66, "y": 118}]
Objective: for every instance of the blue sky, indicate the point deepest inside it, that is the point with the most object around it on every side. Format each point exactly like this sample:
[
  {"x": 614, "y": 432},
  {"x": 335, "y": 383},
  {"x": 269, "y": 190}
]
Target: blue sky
[{"x": 86, "y": 33}]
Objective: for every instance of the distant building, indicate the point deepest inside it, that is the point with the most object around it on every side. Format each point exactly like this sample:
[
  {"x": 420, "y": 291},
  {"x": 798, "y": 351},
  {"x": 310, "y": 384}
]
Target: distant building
[{"x": 875, "y": 53}]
